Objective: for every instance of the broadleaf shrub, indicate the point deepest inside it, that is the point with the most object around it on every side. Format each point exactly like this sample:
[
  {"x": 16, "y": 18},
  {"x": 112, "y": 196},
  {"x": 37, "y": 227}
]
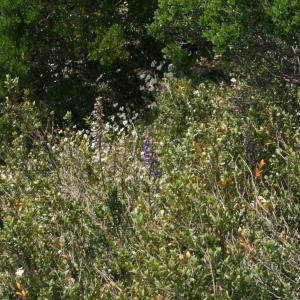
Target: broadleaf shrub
[{"x": 203, "y": 203}]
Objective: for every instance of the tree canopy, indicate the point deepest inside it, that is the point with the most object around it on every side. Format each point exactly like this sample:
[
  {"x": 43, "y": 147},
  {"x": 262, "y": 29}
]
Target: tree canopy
[
  {"x": 66, "y": 51},
  {"x": 69, "y": 52}
]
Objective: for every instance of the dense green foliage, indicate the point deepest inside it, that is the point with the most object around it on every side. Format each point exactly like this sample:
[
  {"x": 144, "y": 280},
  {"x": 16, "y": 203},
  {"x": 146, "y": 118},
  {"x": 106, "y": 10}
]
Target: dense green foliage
[
  {"x": 260, "y": 38},
  {"x": 66, "y": 52},
  {"x": 126, "y": 175}
]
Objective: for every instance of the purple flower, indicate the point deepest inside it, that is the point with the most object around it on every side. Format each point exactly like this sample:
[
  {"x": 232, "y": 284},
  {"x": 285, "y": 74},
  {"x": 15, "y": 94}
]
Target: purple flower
[
  {"x": 97, "y": 161},
  {"x": 150, "y": 159},
  {"x": 251, "y": 152}
]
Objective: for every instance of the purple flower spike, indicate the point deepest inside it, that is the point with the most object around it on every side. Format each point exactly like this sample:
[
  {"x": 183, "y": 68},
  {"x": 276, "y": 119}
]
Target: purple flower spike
[
  {"x": 97, "y": 161},
  {"x": 150, "y": 159}
]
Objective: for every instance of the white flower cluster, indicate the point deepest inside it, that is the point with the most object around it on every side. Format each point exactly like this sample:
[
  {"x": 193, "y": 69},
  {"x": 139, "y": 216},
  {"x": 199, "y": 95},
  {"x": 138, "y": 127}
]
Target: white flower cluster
[
  {"x": 20, "y": 272},
  {"x": 119, "y": 124},
  {"x": 170, "y": 73},
  {"x": 153, "y": 78},
  {"x": 233, "y": 79}
]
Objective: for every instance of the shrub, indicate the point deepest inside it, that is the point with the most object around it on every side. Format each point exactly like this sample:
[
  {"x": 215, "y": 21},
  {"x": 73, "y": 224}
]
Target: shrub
[{"x": 202, "y": 204}]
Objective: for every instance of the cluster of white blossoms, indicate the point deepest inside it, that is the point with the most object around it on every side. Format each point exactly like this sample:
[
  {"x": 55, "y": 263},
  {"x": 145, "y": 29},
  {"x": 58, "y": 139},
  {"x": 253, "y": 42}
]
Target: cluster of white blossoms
[
  {"x": 20, "y": 272},
  {"x": 118, "y": 124},
  {"x": 153, "y": 78}
]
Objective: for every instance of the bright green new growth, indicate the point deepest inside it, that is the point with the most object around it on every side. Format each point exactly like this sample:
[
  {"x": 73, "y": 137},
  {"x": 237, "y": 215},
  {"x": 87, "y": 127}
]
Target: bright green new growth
[
  {"x": 258, "y": 37},
  {"x": 111, "y": 47}
]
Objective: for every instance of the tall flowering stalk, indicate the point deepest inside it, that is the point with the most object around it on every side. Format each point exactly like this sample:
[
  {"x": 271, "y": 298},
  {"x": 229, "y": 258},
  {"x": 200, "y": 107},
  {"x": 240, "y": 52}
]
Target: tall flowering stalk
[
  {"x": 97, "y": 129},
  {"x": 150, "y": 159},
  {"x": 251, "y": 153},
  {"x": 97, "y": 134}
]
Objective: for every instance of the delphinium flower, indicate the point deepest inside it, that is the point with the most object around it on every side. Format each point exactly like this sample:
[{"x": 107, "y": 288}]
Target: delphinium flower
[
  {"x": 151, "y": 162},
  {"x": 251, "y": 152}
]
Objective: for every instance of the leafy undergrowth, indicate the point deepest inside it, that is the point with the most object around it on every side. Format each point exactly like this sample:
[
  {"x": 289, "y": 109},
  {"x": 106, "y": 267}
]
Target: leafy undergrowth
[{"x": 202, "y": 204}]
